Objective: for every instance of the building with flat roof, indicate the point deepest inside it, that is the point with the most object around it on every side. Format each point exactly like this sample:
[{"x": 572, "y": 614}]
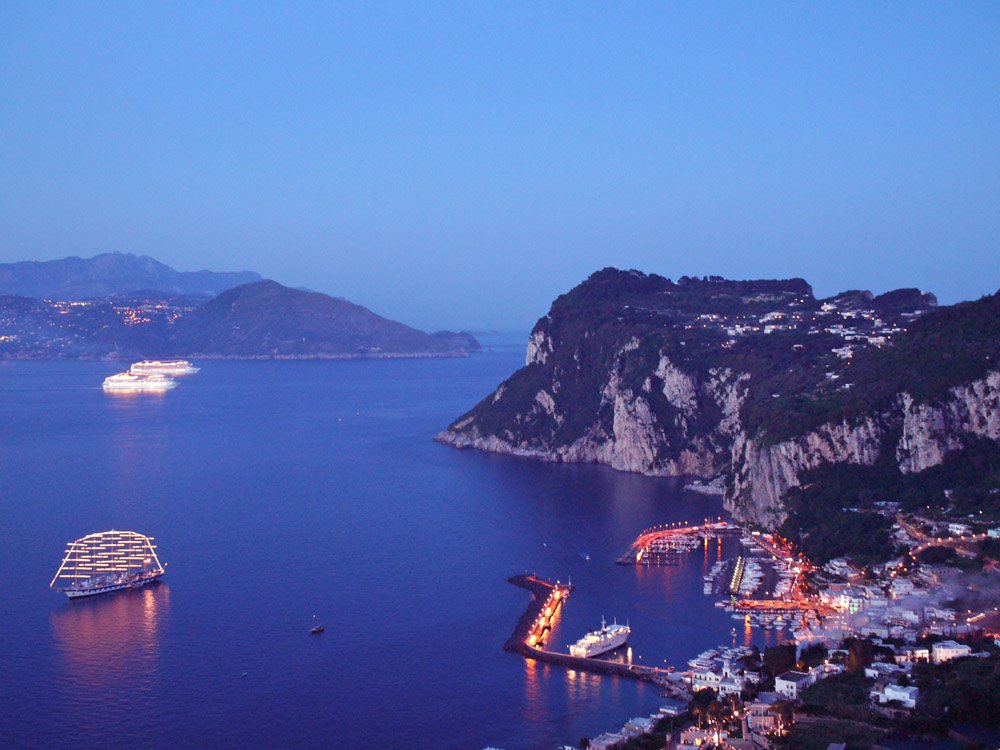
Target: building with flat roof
[
  {"x": 791, "y": 684},
  {"x": 947, "y": 650}
]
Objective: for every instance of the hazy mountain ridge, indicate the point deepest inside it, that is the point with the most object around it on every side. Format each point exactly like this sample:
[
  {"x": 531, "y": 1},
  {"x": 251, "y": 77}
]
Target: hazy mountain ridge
[
  {"x": 757, "y": 380},
  {"x": 144, "y": 315},
  {"x": 266, "y": 319},
  {"x": 108, "y": 274}
]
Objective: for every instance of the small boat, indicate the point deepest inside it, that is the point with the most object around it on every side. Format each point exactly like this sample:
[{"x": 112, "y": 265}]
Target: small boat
[{"x": 317, "y": 630}]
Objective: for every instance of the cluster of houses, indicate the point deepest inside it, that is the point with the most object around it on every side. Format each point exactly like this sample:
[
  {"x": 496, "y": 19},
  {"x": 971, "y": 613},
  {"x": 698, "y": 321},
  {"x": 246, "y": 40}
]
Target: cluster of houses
[
  {"x": 760, "y": 716},
  {"x": 862, "y": 327},
  {"x": 636, "y": 727},
  {"x": 898, "y": 603}
]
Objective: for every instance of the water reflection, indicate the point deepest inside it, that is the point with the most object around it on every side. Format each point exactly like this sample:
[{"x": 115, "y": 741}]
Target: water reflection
[
  {"x": 582, "y": 686},
  {"x": 108, "y": 638}
]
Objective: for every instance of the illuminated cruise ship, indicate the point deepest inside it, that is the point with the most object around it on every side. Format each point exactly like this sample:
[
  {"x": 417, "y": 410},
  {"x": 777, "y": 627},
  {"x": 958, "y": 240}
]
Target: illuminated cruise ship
[
  {"x": 598, "y": 641},
  {"x": 126, "y": 381},
  {"x": 171, "y": 367},
  {"x": 107, "y": 561}
]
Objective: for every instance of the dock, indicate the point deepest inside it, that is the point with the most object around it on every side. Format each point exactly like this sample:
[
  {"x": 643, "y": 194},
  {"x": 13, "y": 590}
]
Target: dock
[
  {"x": 528, "y": 638},
  {"x": 663, "y": 545}
]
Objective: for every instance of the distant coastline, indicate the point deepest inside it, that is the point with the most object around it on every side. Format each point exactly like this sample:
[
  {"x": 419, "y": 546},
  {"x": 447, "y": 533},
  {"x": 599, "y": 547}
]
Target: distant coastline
[
  {"x": 122, "y": 306},
  {"x": 248, "y": 358}
]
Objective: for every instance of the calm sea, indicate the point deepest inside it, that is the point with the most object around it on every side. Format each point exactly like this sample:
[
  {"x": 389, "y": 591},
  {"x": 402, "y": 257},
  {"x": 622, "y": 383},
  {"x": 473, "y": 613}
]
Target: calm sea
[{"x": 285, "y": 493}]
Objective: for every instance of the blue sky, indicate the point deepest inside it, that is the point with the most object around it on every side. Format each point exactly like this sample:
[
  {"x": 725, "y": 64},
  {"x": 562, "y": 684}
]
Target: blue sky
[{"x": 459, "y": 165}]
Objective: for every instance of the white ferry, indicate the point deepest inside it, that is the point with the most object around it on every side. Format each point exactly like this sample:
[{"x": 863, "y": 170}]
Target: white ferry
[
  {"x": 107, "y": 561},
  {"x": 598, "y": 641},
  {"x": 126, "y": 381},
  {"x": 171, "y": 367}
]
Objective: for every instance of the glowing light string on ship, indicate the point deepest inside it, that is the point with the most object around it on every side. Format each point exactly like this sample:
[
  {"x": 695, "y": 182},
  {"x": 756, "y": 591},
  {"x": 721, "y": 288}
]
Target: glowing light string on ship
[{"x": 107, "y": 561}]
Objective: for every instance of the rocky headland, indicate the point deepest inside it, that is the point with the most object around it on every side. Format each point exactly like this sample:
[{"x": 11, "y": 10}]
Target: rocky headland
[{"x": 755, "y": 381}]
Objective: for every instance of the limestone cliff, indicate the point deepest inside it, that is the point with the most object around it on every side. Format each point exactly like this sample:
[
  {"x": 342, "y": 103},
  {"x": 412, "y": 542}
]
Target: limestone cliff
[{"x": 755, "y": 381}]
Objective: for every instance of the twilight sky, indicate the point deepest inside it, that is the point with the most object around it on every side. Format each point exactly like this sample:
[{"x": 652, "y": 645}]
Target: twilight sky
[{"x": 461, "y": 164}]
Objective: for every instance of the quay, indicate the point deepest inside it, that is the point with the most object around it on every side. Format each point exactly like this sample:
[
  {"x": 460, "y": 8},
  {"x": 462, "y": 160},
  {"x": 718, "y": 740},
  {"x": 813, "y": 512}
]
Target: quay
[
  {"x": 535, "y": 625},
  {"x": 662, "y": 545}
]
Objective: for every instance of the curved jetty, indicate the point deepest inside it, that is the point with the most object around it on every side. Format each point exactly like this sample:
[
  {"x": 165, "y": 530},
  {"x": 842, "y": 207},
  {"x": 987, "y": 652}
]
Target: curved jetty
[{"x": 663, "y": 545}]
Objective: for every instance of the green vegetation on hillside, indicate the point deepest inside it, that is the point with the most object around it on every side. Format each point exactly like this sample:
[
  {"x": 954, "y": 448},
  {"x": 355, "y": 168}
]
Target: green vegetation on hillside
[
  {"x": 831, "y": 514},
  {"x": 966, "y": 690},
  {"x": 942, "y": 349}
]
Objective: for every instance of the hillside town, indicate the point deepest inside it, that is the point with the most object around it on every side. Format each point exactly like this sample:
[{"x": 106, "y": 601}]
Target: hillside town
[{"x": 905, "y": 653}]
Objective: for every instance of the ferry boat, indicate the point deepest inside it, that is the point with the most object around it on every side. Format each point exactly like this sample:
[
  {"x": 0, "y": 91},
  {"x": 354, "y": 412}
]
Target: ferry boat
[
  {"x": 126, "y": 381},
  {"x": 171, "y": 367},
  {"x": 107, "y": 561},
  {"x": 598, "y": 641}
]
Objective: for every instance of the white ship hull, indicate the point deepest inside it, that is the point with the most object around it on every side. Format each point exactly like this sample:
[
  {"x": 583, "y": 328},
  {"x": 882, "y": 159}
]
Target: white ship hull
[
  {"x": 107, "y": 561},
  {"x": 610, "y": 644},
  {"x": 79, "y": 593},
  {"x": 608, "y": 638},
  {"x": 146, "y": 387},
  {"x": 172, "y": 368},
  {"x": 130, "y": 383}
]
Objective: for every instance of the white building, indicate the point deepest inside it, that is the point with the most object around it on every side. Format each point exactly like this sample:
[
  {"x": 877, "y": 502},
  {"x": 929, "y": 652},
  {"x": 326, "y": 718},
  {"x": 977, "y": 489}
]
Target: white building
[
  {"x": 791, "y": 684},
  {"x": 853, "y": 600},
  {"x": 694, "y": 737},
  {"x": 879, "y": 669},
  {"x": 840, "y": 567},
  {"x": 900, "y": 587},
  {"x": 958, "y": 529},
  {"x": 824, "y": 670},
  {"x": 639, "y": 725},
  {"x": 607, "y": 741},
  {"x": 939, "y": 613},
  {"x": 760, "y": 716},
  {"x": 883, "y": 692},
  {"x": 947, "y": 650},
  {"x": 911, "y": 654}
]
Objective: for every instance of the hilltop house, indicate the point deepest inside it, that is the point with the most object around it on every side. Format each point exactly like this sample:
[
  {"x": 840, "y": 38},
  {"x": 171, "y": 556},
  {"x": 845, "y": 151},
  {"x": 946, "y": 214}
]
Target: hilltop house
[
  {"x": 791, "y": 684},
  {"x": 884, "y": 692},
  {"x": 947, "y": 650}
]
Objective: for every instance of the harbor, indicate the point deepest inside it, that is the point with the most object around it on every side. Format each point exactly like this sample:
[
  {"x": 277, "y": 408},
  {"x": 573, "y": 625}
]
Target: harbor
[
  {"x": 663, "y": 545},
  {"x": 530, "y": 635}
]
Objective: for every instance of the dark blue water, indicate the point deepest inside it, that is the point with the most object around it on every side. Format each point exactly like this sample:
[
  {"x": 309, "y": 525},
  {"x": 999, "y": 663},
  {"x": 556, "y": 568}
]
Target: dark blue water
[{"x": 282, "y": 490}]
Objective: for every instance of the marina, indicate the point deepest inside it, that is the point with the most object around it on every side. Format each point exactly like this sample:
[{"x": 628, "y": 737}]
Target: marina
[{"x": 663, "y": 545}]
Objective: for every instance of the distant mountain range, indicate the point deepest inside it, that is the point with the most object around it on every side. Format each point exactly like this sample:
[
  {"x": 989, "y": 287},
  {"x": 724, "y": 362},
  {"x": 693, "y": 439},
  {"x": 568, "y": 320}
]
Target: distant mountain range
[
  {"x": 109, "y": 274},
  {"x": 127, "y": 306},
  {"x": 267, "y": 319}
]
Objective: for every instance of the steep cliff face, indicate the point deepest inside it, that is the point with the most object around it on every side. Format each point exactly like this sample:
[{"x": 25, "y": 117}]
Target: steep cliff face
[
  {"x": 932, "y": 430},
  {"x": 652, "y": 423},
  {"x": 754, "y": 381},
  {"x": 761, "y": 474}
]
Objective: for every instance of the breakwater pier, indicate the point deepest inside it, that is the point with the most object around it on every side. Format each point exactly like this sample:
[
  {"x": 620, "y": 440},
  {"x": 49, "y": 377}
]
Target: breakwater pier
[{"x": 534, "y": 627}]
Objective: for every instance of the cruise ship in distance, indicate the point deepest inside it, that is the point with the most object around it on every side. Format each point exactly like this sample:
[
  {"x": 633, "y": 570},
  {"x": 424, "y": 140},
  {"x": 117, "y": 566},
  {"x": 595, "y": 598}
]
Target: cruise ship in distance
[
  {"x": 171, "y": 367},
  {"x": 598, "y": 641},
  {"x": 107, "y": 561},
  {"x": 126, "y": 381}
]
